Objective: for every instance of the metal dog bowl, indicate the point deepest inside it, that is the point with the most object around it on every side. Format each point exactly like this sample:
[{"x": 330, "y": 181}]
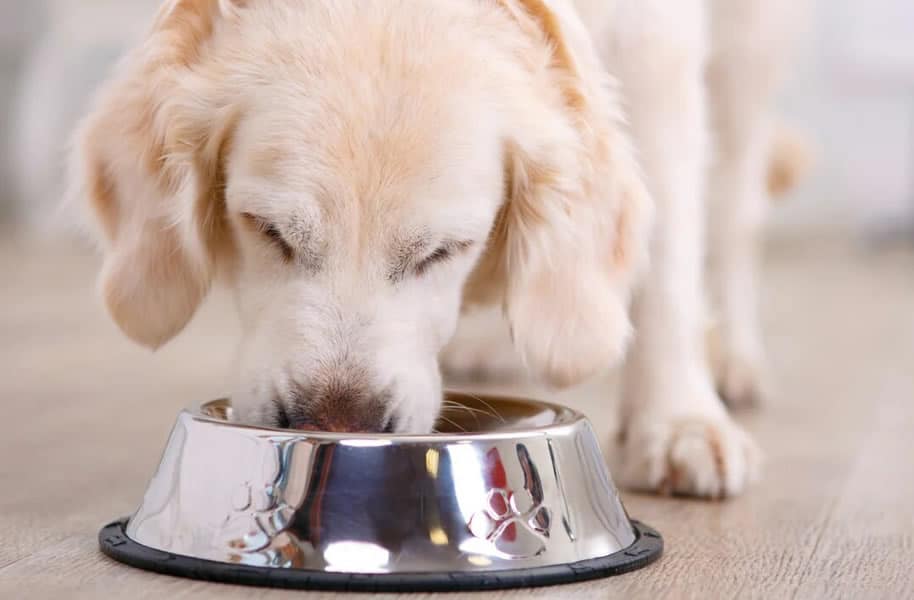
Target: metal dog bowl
[{"x": 509, "y": 493}]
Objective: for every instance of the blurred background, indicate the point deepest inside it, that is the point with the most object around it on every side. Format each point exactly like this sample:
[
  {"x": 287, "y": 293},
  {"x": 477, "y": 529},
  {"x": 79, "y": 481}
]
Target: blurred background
[{"x": 852, "y": 92}]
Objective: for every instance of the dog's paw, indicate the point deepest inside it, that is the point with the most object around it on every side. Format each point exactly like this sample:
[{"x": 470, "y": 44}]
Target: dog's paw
[
  {"x": 741, "y": 382},
  {"x": 739, "y": 374},
  {"x": 697, "y": 455},
  {"x": 481, "y": 351},
  {"x": 464, "y": 361}
]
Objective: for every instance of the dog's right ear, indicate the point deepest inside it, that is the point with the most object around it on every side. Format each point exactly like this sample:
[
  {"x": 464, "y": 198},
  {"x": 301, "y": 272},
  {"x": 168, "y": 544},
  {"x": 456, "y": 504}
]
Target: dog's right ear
[
  {"x": 148, "y": 165},
  {"x": 573, "y": 232}
]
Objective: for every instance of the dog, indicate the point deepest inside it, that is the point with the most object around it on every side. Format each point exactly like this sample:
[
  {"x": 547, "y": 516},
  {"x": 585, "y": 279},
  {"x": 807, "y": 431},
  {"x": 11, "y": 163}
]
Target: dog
[{"x": 361, "y": 173}]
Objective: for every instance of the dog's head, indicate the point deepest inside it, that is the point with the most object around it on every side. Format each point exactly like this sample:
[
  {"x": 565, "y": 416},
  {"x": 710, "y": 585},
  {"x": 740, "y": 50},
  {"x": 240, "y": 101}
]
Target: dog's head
[{"x": 344, "y": 167}]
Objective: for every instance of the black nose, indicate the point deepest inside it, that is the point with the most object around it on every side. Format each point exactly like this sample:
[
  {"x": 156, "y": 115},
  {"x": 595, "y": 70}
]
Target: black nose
[{"x": 339, "y": 409}]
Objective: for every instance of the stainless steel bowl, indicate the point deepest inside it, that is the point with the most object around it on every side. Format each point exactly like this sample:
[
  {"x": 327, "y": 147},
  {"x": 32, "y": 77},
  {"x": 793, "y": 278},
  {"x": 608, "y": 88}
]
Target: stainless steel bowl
[{"x": 508, "y": 493}]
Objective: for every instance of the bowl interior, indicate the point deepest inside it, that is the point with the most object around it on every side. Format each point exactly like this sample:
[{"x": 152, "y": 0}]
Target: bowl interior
[{"x": 463, "y": 413}]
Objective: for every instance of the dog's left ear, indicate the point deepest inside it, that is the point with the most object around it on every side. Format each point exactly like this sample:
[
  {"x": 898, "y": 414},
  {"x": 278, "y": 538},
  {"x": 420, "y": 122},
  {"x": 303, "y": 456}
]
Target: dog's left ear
[{"x": 574, "y": 228}]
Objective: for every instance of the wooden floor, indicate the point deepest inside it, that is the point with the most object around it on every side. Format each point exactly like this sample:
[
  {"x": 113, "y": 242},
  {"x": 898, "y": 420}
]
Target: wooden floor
[{"x": 85, "y": 416}]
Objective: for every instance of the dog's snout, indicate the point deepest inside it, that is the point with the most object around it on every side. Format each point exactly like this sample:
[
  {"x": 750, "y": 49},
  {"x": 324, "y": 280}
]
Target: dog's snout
[{"x": 340, "y": 409}]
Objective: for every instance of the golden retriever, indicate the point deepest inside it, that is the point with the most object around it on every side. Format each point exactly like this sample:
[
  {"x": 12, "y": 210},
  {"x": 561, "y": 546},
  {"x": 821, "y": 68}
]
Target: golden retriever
[{"x": 358, "y": 171}]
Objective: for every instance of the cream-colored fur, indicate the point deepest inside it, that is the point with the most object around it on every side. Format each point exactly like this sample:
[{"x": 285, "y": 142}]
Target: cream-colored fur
[{"x": 357, "y": 171}]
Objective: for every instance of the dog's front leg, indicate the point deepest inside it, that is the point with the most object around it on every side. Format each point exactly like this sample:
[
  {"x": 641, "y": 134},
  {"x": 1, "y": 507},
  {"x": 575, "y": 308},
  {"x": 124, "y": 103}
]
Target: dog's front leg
[
  {"x": 752, "y": 41},
  {"x": 676, "y": 436}
]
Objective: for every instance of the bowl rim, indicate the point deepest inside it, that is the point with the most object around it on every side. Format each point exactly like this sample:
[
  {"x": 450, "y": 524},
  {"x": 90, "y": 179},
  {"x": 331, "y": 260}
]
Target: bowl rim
[{"x": 565, "y": 418}]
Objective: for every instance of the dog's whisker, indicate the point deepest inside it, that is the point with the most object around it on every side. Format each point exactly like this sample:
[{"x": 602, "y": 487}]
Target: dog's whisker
[
  {"x": 452, "y": 423},
  {"x": 453, "y": 405},
  {"x": 472, "y": 409},
  {"x": 495, "y": 413},
  {"x": 466, "y": 409},
  {"x": 475, "y": 412}
]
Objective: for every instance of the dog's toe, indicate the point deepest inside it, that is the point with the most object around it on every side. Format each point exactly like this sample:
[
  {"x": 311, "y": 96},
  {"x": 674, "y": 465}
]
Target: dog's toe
[
  {"x": 481, "y": 351},
  {"x": 739, "y": 372},
  {"x": 461, "y": 363},
  {"x": 741, "y": 382}
]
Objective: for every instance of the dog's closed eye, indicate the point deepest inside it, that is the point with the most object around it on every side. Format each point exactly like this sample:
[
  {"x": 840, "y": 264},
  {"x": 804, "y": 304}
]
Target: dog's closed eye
[
  {"x": 271, "y": 233},
  {"x": 441, "y": 254},
  {"x": 411, "y": 261}
]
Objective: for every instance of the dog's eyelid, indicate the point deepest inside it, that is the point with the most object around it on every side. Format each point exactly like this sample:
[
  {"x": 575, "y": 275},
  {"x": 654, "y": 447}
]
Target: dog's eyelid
[
  {"x": 445, "y": 251},
  {"x": 271, "y": 231},
  {"x": 455, "y": 246}
]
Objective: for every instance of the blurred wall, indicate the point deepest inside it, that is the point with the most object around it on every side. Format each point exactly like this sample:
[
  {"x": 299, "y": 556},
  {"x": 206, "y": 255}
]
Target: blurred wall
[
  {"x": 19, "y": 22},
  {"x": 61, "y": 51},
  {"x": 852, "y": 91}
]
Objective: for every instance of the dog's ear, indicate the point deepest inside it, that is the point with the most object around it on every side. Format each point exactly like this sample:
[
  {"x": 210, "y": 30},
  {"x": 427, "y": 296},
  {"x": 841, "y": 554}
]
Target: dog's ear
[
  {"x": 574, "y": 229},
  {"x": 147, "y": 162}
]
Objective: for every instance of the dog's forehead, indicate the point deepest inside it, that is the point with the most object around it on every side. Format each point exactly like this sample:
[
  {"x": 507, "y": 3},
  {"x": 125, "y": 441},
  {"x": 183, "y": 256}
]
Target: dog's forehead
[
  {"x": 403, "y": 172},
  {"x": 372, "y": 139}
]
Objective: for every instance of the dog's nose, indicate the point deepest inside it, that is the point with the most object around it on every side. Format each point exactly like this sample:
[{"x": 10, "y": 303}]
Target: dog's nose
[{"x": 341, "y": 410}]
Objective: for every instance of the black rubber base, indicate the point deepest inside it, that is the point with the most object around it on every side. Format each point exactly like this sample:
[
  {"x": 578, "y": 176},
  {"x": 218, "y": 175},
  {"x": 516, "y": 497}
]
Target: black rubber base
[{"x": 113, "y": 541}]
